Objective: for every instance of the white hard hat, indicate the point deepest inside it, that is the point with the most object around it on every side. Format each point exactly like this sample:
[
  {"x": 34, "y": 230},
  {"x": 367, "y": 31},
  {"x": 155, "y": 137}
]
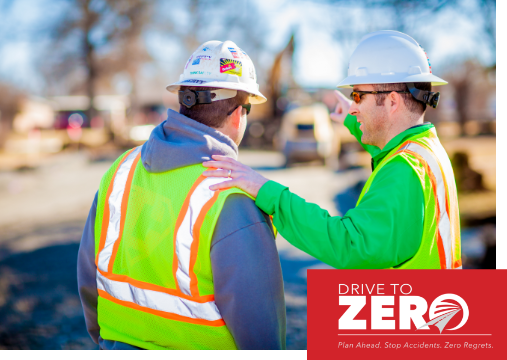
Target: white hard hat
[
  {"x": 220, "y": 65},
  {"x": 386, "y": 57}
]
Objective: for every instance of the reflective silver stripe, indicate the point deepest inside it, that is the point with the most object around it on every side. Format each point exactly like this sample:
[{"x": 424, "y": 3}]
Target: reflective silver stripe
[
  {"x": 184, "y": 238},
  {"x": 444, "y": 226},
  {"x": 113, "y": 230},
  {"x": 156, "y": 300}
]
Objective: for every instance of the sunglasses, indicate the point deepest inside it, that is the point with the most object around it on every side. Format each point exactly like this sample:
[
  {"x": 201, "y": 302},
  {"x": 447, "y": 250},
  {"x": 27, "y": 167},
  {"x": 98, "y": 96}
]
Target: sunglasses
[
  {"x": 356, "y": 95},
  {"x": 245, "y": 106},
  {"x": 248, "y": 107}
]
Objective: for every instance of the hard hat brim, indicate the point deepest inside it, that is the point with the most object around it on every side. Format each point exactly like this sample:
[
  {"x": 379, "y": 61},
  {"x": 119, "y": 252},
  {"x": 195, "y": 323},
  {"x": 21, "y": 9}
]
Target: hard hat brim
[
  {"x": 255, "y": 95},
  {"x": 350, "y": 81}
]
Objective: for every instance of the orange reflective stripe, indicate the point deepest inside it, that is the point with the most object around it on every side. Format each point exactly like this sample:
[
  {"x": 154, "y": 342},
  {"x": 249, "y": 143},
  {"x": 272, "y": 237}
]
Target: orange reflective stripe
[
  {"x": 401, "y": 149},
  {"x": 124, "y": 204},
  {"x": 195, "y": 244},
  {"x": 446, "y": 198},
  {"x": 163, "y": 314},
  {"x": 457, "y": 264},
  {"x": 441, "y": 251},
  {"x": 105, "y": 215},
  {"x": 440, "y": 245},
  {"x": 148, "y": 286}
]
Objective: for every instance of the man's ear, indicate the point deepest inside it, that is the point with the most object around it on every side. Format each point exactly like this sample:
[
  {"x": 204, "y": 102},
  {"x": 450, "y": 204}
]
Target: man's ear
[
  {"x": 235, "y": 117},
  {"x": 393, "y": 101}
]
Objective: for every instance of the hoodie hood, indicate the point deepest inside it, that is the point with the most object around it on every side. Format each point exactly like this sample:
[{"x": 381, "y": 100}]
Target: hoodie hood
[{"x": 180, "y": 141}]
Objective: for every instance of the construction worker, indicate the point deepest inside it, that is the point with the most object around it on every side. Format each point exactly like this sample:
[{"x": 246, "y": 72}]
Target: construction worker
[
  {"x": 166, "y": 263},
  {"x": 407, "y": 213}
]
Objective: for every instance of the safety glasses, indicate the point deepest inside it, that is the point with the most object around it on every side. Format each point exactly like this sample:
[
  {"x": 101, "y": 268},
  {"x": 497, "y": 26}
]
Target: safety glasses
[
  {"x": 247, "y": 107},
  {"x": 244, "y": 106},
  {"x": 356, "y": 95}
]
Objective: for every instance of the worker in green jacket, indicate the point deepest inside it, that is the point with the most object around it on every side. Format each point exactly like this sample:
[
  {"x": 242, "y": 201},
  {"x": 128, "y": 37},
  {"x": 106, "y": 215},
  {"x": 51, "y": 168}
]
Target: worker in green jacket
[{"x": 407, "y": 214}]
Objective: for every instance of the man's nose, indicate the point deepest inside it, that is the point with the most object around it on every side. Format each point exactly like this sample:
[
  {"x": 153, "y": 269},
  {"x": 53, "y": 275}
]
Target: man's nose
[{"x": 354, "y": 109}]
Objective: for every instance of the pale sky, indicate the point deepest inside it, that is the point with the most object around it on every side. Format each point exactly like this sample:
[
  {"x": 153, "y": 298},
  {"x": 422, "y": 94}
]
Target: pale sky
[{"x": 319, "y": 61}]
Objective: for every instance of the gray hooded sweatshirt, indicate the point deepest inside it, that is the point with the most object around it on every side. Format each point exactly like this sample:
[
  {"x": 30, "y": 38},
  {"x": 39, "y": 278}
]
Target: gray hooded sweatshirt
[{"x": 246, "y": 269}]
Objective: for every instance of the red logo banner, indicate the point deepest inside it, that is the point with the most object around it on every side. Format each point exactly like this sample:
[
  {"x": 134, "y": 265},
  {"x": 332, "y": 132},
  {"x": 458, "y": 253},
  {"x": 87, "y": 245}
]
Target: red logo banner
[{"x": 414, "y": 314}]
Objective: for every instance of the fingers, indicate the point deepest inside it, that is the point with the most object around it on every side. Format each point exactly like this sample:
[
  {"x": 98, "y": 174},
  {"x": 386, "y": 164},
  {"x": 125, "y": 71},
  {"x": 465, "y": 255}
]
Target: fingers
[
  {"x": 219, "y": 165},
  {"x": 342, "y": 108},
  {"x": 343, "y": 101},
  {"x": 223, "y": 158},
  {"x": 224, "y": 185},
  {"x": 340, "y": 96},
  {"x": 222, "y": 162},
  {"x": 217, "y": 173},
  {"x": 335, "y": 117}
]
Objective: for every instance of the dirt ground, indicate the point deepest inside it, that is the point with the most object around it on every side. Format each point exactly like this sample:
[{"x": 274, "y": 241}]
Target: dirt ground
[{"x": 43, "y": 211}]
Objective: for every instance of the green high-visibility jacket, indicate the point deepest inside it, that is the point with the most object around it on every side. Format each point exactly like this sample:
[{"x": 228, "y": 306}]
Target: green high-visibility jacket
[{"x": 384, "y": 230}]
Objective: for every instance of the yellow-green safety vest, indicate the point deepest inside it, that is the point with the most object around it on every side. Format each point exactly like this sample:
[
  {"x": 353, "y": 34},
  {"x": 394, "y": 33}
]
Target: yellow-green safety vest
[
  {"x": 153, "y": 235},
  {"x": 441, "y": 245}
]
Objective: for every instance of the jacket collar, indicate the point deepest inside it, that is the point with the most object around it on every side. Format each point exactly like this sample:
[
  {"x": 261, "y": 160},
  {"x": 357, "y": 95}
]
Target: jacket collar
[{"x": 398, "y": 139}]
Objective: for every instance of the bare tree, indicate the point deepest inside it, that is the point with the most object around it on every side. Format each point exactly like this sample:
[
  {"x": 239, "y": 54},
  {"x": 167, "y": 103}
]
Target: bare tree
[
  {"x": 472, "y": 92},
  {"x": 487, "y": 13},
  {"x": 400, "y": 15},
  {"x": 192, "y": 22},
  {"x": 99, "y": 37}
]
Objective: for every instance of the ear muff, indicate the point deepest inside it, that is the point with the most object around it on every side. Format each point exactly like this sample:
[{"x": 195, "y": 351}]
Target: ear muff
[
  {"x": 426, "y": 97},
  {"x": 189, "y": 98},
  {"x": 433, "y": 99}
]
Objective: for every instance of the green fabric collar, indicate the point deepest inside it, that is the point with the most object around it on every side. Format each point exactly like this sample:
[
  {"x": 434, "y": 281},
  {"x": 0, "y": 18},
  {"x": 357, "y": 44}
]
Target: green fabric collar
[{"x": 398, "y": 139}]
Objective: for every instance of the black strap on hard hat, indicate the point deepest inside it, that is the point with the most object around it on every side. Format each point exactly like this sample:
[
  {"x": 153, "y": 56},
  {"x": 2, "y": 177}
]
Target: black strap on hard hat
[
  {"x": 427, "y": 97},
  {"x": 190, "y": 98}
]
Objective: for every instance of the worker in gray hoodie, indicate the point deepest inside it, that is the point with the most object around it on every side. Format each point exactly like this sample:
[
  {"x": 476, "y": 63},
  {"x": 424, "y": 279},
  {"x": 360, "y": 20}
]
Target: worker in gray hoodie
[{"x": 167, "y": 263}]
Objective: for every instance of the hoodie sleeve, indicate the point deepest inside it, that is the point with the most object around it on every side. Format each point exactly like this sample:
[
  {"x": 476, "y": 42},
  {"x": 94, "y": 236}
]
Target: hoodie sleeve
[
  {"x": 247, "y": 276},
  {"x": 86, "y": 274}
]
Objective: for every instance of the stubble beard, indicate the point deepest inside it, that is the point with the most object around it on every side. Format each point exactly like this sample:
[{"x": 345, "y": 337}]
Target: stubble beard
[{"x": 375, "y": 127}]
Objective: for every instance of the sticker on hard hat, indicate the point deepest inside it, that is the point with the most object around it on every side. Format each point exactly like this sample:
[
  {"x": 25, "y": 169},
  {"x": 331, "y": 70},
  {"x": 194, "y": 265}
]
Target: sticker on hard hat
[
  {"x": 234, "y": 53},
  {"x": 238, "y": 53},
  {"x": 427, "y": 58},
  {"x": 196, "y": 62},
  {"x": 229, "y": 66},
  {"x": 205, "y": 48},
  {"x": 188, "y": 62},
  {"x": 194, "y": 81},
  {"x": 203, "y": 57}
]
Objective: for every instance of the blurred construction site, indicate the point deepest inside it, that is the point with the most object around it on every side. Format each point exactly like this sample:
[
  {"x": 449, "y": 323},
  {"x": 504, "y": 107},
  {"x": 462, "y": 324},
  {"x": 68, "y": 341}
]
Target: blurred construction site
[{"x": 82, "y": 81}]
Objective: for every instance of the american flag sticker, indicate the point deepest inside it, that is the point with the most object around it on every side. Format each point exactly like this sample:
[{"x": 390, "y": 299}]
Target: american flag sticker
[{"x": 234, "y": 53}]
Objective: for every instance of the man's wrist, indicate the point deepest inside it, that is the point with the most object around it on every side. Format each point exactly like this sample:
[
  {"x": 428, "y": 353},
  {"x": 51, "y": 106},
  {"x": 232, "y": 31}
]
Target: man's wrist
[{"x": 259, "y": 185}]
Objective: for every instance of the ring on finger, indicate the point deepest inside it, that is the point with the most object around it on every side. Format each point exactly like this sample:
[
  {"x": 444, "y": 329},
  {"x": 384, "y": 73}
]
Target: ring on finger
[{"x": 229, "y": 174}]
